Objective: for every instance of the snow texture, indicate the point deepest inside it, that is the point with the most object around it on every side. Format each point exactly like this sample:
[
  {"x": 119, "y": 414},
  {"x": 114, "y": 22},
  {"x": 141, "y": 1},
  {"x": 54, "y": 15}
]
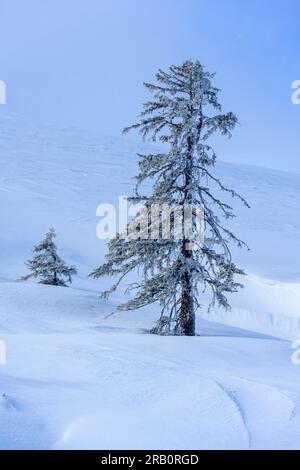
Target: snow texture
[{"x": 76, "y": 378}]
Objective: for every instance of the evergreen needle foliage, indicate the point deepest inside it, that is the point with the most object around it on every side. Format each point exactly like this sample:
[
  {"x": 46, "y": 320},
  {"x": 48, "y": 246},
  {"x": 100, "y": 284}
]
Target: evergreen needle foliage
[
  {"x": 183, "y": 114},
  {"x": 47, "y": 266}
]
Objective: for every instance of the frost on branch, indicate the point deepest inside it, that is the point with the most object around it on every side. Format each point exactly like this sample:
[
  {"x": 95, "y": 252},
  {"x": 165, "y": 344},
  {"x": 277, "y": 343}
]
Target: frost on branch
[
  {"x": 183, "y": 114},
  {"x": 47, "y": 266}
]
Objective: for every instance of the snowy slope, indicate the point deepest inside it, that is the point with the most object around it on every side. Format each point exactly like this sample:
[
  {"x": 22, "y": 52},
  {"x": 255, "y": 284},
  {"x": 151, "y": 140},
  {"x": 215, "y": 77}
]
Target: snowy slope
[
  {"x": 73, "y": 380},
  {"x": 58, "y": 177},
  {"x": 76, "y": 379}
]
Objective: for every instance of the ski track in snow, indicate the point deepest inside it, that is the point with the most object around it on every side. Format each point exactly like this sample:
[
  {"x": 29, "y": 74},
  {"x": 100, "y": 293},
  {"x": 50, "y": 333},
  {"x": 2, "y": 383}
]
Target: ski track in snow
[{"x": 232, "y": 396}]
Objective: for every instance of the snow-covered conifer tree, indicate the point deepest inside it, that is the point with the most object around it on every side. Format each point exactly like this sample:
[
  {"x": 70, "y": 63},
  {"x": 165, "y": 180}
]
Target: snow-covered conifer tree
[
  {"x": 184, "y": 114},
  {"x": 47, "y": 266}
]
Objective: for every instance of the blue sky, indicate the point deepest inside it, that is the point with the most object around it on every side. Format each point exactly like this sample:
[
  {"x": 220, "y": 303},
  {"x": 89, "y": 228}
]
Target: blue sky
[{"x": 82, "y": 63}]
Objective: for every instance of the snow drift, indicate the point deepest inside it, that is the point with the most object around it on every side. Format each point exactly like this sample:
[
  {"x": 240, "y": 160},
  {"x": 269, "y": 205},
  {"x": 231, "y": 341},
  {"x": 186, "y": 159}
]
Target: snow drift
[{"x": 77, "y": 379}]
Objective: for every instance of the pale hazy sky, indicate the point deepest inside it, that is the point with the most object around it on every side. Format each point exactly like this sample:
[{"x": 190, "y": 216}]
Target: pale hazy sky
[{"x": 82, "y": 63}]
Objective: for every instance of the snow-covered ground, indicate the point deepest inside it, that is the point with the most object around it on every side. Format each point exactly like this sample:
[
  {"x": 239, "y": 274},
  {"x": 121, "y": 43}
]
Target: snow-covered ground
[{"x": 77, "y": 379}]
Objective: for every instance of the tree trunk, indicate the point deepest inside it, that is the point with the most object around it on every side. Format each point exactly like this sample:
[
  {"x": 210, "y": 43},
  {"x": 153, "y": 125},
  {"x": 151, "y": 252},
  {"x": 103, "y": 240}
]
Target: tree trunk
[
  {"x": 187, "y": 312},
  {"x": 55, "y": 283}
]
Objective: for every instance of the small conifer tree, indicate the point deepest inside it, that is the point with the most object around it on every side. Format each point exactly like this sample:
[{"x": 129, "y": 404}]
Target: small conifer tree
[{"x": 47, "y": 266}]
